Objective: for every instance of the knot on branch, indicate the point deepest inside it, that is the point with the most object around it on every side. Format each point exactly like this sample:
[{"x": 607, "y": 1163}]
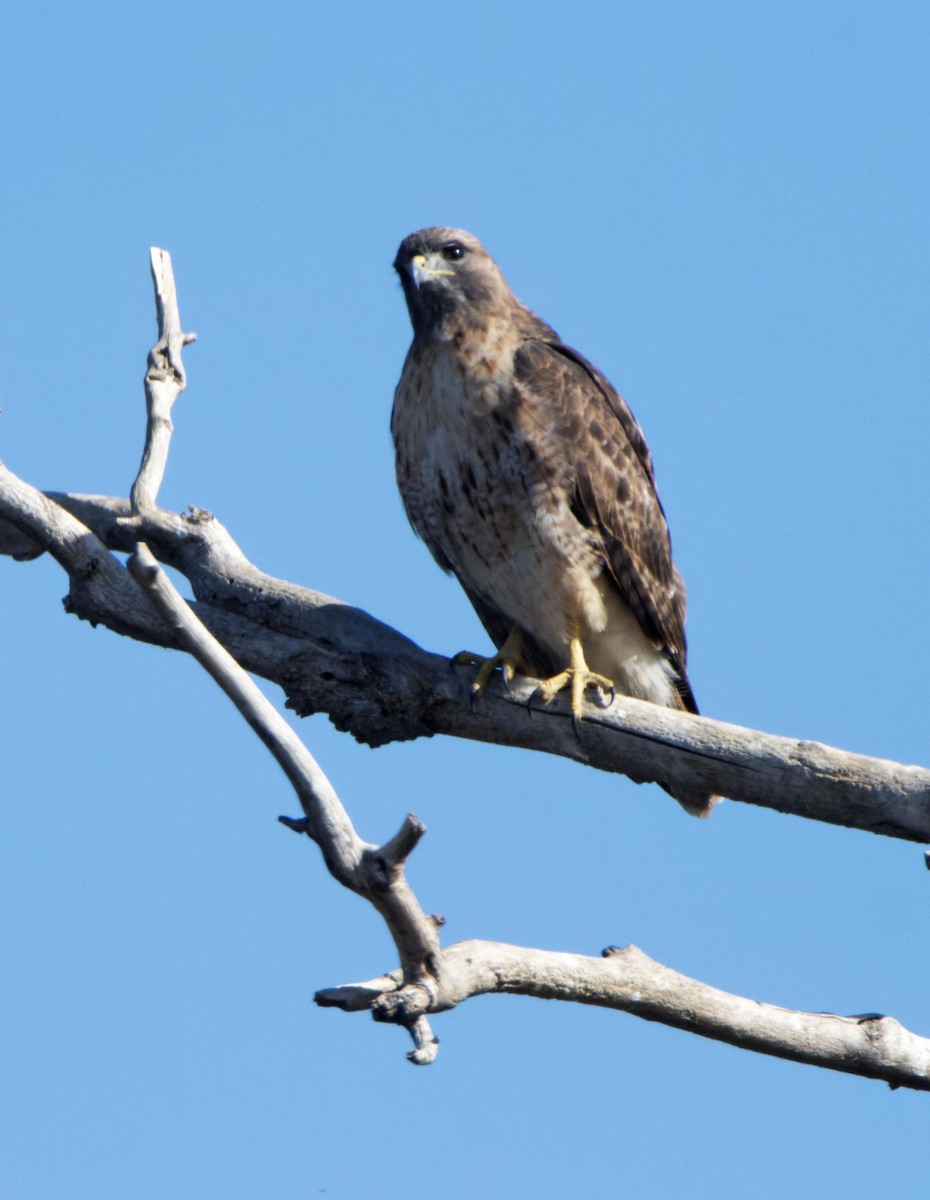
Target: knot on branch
[
  {"x": 198, "y": 516},
  {"x": 164, "y": 359},
  {"x": 879, "y": 1028},
  {"x": 404, "y": 1006}
]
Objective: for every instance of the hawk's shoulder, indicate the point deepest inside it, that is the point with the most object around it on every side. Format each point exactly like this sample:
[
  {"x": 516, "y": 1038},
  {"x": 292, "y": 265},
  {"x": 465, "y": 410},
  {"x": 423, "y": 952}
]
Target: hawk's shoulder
[{"x": 565, "y": 377}]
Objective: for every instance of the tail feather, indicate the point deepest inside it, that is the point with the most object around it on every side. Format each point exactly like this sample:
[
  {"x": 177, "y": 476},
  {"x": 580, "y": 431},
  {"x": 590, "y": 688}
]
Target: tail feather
[{"x": 698, "y": 804}]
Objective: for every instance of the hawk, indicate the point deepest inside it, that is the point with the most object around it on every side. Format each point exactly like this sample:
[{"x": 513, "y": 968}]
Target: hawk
[{"x": 526, "y": 475}]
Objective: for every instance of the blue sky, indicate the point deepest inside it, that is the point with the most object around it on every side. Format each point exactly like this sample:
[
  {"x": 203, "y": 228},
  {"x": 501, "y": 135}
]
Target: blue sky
[{"x": 724, "y": 206}]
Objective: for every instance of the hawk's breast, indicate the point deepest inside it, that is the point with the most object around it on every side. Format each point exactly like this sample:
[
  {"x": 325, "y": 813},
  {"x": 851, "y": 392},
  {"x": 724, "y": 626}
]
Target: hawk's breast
[{"x": 485, "y": 482}]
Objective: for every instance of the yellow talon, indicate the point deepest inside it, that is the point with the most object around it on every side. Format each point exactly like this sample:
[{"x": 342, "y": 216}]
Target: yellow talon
[
  {"x": 580, "y": 677},
  {"x": 508, "y": 658}
]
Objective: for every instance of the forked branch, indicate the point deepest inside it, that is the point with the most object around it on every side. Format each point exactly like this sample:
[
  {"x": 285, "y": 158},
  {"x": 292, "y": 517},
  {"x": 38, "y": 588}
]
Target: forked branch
[
  {"x": 331, "y": 657},
  {"x": 374, "y": 872},
  {"x": 627, "y": 980},
  {"x": 381, "y": 687},
  {"x": 431, "y": 980}
]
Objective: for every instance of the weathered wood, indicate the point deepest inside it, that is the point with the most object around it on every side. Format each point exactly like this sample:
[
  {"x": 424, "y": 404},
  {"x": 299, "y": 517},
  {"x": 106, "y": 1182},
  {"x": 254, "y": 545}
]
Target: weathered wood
[
  {"x": 374, "y": 872},
  {"x": 431, "y": 980},
  {"x": 165, "y": 379},
  {"x": 374, "y": 682},
  {"x": 870, "y": 1045},
  {"x": 381, "y": 687}
]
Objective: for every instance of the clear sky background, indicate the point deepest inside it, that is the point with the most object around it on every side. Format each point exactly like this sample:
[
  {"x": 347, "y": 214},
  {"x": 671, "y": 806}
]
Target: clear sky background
[{"x": 724, "y": 205}]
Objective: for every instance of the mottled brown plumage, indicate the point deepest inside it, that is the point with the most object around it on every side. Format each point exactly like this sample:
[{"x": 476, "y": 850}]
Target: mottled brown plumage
[{"x": 527, "y": 476}]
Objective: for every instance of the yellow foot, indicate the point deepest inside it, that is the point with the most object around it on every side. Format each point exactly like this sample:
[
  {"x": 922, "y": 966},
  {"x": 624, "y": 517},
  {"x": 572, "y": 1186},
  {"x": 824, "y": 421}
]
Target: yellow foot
[
  {"x": 508, "y": 658},
  {"x": 580, "y": 678}
]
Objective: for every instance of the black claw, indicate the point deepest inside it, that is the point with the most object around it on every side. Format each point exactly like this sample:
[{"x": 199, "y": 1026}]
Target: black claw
[
  {"x": 605, "y": 696},
  {"x": 576, "y": 725}
]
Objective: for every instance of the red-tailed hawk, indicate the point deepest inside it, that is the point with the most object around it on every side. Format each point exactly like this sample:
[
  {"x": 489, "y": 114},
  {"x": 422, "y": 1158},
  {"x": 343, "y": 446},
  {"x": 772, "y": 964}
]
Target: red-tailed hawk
[{"x": 526, "y": 475}]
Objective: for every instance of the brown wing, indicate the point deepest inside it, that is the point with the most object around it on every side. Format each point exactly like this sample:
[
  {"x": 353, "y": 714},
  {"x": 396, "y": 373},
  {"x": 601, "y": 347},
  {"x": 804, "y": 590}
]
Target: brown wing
[{"x": 612, "y": 485}]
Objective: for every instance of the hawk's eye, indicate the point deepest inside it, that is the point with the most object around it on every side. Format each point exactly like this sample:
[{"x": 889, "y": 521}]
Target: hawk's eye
[{"x": 453, "y": 252}]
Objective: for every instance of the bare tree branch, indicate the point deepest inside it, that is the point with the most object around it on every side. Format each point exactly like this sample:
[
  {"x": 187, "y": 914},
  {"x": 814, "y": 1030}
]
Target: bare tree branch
[
  {"x": 374, "y": 872},
  {"x": 381, "y": 687},
  {"x": 374, "y": 682},
  {"x": 626, "y": 979},
  {"x": 431, "y": 980}
]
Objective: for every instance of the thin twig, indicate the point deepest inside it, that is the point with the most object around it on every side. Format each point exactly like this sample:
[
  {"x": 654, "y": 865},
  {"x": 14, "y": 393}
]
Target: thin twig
[{"x": 165, "y": 379}]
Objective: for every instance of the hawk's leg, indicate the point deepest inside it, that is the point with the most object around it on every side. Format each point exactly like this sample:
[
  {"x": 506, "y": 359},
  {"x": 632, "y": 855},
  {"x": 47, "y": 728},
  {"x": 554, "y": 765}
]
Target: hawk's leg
[
  {"x": 580, "y": 677},
  {"x": 509, "y": 658}
]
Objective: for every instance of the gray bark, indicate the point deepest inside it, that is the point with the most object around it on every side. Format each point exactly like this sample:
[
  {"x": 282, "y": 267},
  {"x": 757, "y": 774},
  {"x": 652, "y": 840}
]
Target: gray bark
[{"x": 380, "y": 686}]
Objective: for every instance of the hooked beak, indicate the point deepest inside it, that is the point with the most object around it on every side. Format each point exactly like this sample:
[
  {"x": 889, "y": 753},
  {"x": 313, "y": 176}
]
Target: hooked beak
[{"x": 425, "y": 270}]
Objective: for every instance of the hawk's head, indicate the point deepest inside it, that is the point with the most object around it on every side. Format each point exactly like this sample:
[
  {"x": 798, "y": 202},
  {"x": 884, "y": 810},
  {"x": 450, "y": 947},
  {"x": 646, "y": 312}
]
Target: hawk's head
[{"x": 447, "y": 273}]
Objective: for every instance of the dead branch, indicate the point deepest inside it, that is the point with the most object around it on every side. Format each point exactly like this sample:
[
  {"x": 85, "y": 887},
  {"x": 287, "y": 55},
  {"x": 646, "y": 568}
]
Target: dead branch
[
  {"x": 374, "y": 872},
  {"x": 372, "y": 681},
  {"x": 627, "y": 980},
  {"x": 381, "y": 687},
  {"x": 431, "y": 980},
  {"x": 164, "y": 381}
]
